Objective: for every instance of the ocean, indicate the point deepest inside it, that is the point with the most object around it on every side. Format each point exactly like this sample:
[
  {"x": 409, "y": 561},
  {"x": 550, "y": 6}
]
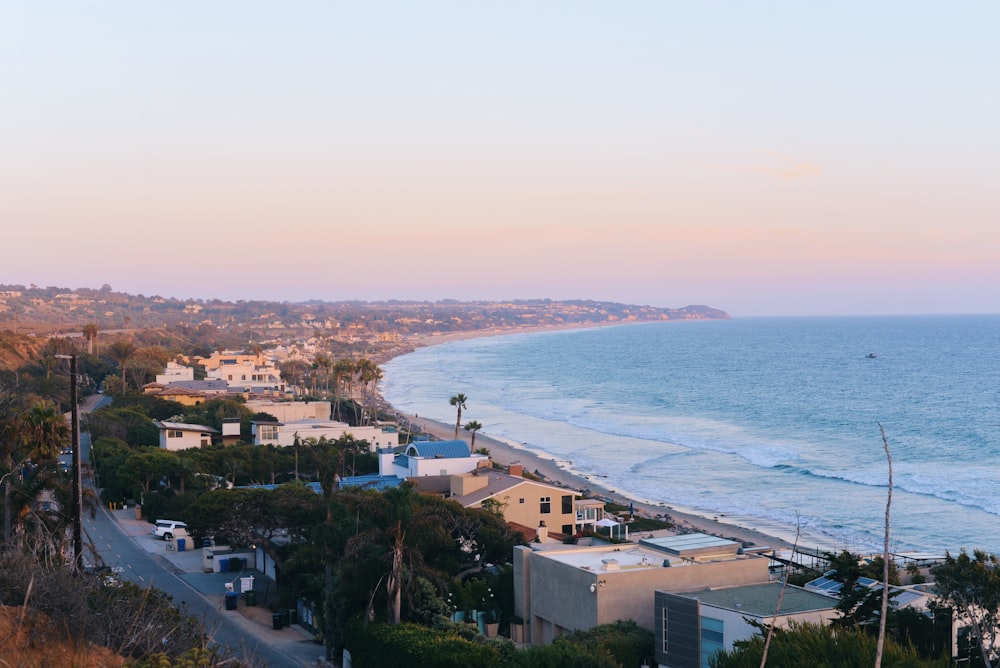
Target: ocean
[{"x": 771, "y": 423}]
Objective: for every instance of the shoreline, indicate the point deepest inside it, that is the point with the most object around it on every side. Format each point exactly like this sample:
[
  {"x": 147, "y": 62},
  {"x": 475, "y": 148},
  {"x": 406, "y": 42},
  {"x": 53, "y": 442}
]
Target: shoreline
[{"x": 505, "y": 453}]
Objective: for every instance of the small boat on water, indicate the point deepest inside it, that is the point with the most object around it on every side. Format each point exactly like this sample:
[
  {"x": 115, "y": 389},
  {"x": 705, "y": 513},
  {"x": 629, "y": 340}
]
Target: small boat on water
[{"x": 871, "y": 356}]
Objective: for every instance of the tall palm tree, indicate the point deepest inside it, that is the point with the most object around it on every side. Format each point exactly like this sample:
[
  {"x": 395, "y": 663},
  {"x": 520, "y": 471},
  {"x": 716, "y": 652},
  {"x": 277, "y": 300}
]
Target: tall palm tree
[
  {"x": 90, "y": 331},
  {"x": 122, "y": 351},
  {"x": 342, "y": 371},
  {"x": 458, "y": 401},
  {"x": 369, "y": 374},
  {"x": 473, "y": 426}
]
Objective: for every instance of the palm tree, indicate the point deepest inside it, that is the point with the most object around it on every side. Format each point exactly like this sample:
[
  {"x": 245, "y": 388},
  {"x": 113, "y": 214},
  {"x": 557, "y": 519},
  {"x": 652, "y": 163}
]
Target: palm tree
[
  {"x": 473, "y": 426},
  {"x": 90, "y": 331},
  {"x": 459, "y": 402},
  {"x": 44, "y": 431},
  {"x": 122, "y": 351},
  {"x": 342, "y": 371}
]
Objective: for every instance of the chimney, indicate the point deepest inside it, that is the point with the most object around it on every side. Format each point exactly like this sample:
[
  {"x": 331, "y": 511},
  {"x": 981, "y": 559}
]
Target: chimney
[{"x": 516, "y": 470}]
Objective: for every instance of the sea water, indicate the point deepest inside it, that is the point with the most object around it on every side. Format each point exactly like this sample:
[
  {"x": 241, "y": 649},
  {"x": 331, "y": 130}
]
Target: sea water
[{"x": 772, "y": 423}]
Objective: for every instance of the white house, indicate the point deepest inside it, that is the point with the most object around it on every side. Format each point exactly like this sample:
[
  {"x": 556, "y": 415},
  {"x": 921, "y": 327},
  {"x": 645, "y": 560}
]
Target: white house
[
  {"x": 181, "y": 436},
  {"x": 175, "y": 371},
  {"x": 430, "y": 458},
  {"x": 241, "y": 374},
  {"x": 284, "y": 433}
]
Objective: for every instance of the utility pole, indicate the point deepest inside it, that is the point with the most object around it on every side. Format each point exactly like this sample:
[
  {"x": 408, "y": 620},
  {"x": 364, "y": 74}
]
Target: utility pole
[{"x": 77, "y": 509}]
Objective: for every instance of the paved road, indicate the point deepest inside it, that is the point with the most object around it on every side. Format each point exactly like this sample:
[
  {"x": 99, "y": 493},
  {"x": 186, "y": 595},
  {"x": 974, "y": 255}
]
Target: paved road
[
  {"x": 120, "y": 540},
  {"x": 117, "y": 539}
]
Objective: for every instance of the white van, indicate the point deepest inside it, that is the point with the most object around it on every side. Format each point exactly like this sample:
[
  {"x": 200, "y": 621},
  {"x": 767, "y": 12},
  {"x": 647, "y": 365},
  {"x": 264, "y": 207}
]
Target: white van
[{"x": 166, "y": 529}]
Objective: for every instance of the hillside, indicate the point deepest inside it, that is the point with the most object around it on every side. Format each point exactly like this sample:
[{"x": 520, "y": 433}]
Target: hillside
[{"x": 18, "y": 349}]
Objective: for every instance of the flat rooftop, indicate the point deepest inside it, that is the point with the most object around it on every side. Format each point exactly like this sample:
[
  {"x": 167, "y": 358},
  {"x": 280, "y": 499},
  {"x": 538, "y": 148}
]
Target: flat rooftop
[
  {"x": 694, "y": 546},
  {"x": 612, "y": 558},
  {"x": 761, "y": 600}
]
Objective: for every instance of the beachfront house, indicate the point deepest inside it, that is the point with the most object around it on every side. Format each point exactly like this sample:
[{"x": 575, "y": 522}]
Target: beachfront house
[
  {"x": 692, "y": 626},
  {"x": 560, "y": 588},
  {"x": 534, "y": 508},
  {"x": 422, "y": 459}
]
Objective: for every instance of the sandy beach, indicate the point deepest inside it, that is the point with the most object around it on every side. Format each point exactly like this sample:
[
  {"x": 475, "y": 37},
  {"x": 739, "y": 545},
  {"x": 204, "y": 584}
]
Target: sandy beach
[{"x": 505, "y": 453}]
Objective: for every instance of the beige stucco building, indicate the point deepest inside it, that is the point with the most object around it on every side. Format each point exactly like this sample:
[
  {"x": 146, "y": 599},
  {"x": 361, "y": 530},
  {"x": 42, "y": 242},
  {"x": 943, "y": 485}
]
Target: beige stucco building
[
  {"x": 559, "y": 589},
  {"x": 527, "y": 503}
]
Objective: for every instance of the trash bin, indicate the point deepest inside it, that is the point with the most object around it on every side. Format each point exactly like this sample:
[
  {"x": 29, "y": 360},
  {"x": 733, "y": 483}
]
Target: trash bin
[
  {"x": 235, "y": 564},
  {"x": 223, "y": 565},
  {"x": 231, "y": 600},
  {"x": 138, "y": 512},
  {"x": 181, "y": 544},
  {"x": 251, "y": 596},
  {"x": 277, "y": 621}
]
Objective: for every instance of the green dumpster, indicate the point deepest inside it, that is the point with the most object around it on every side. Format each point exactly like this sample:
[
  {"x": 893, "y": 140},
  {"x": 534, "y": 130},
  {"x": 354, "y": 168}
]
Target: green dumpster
[{"x": 251, "y": 596}]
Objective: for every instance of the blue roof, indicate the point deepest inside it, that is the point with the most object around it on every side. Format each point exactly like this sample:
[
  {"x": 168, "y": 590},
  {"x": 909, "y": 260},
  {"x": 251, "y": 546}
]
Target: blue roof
[
  {"x": 443, "y": 449},
  {"x": 373, "y": 481},
  {"x": 314, "y": 486}
]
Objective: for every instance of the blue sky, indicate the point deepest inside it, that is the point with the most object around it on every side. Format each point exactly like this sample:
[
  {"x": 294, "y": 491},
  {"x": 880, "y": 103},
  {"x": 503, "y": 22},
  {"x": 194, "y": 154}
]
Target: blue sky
[{"x": 766, "y": 158}]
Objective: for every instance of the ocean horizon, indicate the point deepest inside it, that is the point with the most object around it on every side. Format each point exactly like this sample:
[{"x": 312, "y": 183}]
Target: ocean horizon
[{"x": 759, "y": 421}]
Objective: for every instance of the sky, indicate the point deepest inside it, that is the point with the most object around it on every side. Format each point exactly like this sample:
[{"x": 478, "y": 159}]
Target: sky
[{"x": 768, "y": 158}]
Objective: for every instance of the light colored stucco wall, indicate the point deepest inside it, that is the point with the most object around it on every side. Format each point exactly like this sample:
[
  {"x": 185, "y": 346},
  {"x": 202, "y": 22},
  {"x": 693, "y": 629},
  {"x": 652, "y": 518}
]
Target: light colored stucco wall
[
  {"x": 560, "y": 592},
  {"x": 287, "y": 411},
  {"x": 529, "y": 512},
  {"x": 188, "y": 439}
]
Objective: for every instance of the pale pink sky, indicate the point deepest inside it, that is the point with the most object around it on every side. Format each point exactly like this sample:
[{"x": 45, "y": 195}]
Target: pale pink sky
[{"x": 768, "y": 160}]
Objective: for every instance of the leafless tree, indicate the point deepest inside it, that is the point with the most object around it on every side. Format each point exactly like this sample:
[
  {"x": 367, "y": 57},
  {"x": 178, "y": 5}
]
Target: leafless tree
[
  {"x": 781, "y": 596},
  {"x": 885, "y": 560}
]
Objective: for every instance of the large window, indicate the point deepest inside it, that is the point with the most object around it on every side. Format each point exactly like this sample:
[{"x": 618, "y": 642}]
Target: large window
[
  {"x": 545, "y": 505},
  {"x": 267, "y": 432},
  {"x": 711, "y": 638},
  {"x": 567, "y": 504}
]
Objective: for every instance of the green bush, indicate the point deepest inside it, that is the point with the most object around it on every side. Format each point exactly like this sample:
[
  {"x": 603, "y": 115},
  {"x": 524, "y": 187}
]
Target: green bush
[{"x": 388, "y": 646}]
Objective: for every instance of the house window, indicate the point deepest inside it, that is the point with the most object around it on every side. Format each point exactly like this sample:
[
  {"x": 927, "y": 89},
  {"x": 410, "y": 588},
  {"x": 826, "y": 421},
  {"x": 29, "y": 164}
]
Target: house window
[
  {"x": 520, "y": 501},
  {"x": 175, "y": 434},
  {"x": 545, "y": 505},
  {"x": 567, "y": 529},
  {"x": 711, "y": 638},
  {"x": 267, "y": 432},
  {"x": 567, "y": 504},
  {"x": 663, "y": 640}
]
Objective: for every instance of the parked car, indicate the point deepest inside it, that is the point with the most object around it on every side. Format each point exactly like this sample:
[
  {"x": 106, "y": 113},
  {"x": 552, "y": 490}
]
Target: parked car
[{"x": 166, "y": 529}]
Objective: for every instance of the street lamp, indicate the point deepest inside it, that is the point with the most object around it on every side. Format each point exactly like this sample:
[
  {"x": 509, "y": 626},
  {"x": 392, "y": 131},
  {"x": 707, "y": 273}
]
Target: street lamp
[{"x": 77, "y": 510}]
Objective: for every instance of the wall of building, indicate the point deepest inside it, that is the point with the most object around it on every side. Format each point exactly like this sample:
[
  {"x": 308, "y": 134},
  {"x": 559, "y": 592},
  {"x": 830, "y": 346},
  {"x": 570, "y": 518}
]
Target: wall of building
[
  {"x": 187, "y": 439},
  {"x": 288, "y": 411},
  {"x": 559, "y": 593},
  {"x": 528, "y": 513}
]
